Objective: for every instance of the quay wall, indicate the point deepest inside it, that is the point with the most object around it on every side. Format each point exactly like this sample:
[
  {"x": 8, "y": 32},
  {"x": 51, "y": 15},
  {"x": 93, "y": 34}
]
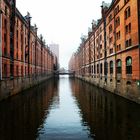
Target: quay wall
[
  {"x": 14, "y": 86},
  {"x": 129, "y": 90}
]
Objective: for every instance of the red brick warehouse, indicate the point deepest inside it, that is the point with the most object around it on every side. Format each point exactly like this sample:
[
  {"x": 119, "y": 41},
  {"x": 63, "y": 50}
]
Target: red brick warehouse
[
  {"x": 110, "y": 55},
  {"x": 23, "y": 52}
]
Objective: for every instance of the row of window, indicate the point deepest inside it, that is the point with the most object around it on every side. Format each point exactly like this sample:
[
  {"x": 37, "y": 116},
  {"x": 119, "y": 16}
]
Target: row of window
[
  {"x": 127, "y": 29},
  {"x": 128, "y": 64},
  {"x": 127, "y": 14},
  {"x": 5, "y": 74},
  {"x": 128, "y": 43}
]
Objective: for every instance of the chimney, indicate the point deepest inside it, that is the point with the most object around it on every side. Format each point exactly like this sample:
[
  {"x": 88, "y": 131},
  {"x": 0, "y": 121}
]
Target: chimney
[{"x": 104, "y": 8}]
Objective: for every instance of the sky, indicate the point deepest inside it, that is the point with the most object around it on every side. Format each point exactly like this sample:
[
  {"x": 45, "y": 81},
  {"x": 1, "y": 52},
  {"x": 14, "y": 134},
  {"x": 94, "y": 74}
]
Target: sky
[{"x": 62, "y": 21}]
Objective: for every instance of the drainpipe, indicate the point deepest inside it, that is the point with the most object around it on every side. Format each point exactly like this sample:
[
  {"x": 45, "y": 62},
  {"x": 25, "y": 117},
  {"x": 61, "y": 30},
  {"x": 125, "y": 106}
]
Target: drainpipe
[
  {"x": 138, "y": 6},
  {"x": 89, "y": 55},
  {"x": 12, "y": 34},
  {"x": 35, "y": 46},
  {"x": 0, "y": 42},
  {"x": 115, "y": 54},
  {"x": 105, "y": 53},
  {"x": 93, "y": 31},
  {"x": 41, "y": 38},
  {"x": 29, "y": 30}
]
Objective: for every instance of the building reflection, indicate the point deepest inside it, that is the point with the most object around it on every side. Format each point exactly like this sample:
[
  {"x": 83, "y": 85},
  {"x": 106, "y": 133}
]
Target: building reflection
[
  {"x": 22, "y": 115},
  {"x": 108, "y": 116}
]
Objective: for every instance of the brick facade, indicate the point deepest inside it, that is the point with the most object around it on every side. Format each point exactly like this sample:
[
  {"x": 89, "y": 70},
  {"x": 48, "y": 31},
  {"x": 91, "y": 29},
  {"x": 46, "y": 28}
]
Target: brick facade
[
  {"x": 30, "y": 54},
  {"x": 111, "y": 53}
]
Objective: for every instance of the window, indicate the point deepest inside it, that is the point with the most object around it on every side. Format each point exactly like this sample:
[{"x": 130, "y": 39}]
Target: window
[
  {"x": 94, "y": 69},
  {"x": 100, "y": 46},
  {"x": 111, "y": 51},
  {"x": 118, "y": 35},
  {"x": 110, "y": 17},
  {"x": 117, "y": 21},
  {"x": 128, "y": 65},
  {"x": 111, "y": 67},
  {"x": 118, "y": 47},
  {"x": 110, "y": 29},
  {"x": 105, "y": 68},
  {"x": 128, "y": 28},
  {"x": 127, "y": 13},
  {"x": 116, "y": 10},
  {"x": 97, "y": 68},
  {"x": 119, "y": 66},
  {"x": 101, "y": 68},
  {"x": 128, "y": 43}
]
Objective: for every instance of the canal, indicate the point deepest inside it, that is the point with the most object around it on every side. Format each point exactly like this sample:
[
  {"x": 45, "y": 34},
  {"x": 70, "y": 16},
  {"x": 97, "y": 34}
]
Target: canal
[{"x": 67, "y": 108}]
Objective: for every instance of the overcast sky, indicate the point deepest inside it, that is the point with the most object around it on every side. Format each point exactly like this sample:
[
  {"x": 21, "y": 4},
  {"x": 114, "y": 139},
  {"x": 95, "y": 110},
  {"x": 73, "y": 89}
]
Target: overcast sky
[{"x": 62, "y": 21}]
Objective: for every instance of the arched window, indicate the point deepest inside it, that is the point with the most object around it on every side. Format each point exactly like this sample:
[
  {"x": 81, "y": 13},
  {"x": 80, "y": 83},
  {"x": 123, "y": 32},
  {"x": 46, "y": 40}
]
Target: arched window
[
  {"x": 119, "y": 66},
  {"x": 111, "y": 67},
  {"x": 128, "y": 65}
]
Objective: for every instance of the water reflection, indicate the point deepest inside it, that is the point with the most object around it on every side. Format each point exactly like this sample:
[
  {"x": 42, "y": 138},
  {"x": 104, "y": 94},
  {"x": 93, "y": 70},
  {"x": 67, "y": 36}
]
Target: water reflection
[
  {"x": 68, "y": 109},
  {"x": 109, "y": 117},
  {"x": 22, "y": 115},
  {"x": 64, "y": 121}
]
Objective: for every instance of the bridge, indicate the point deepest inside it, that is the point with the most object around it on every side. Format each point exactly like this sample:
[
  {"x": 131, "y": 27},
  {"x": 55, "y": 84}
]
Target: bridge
[{"x": 64, "y": 72}]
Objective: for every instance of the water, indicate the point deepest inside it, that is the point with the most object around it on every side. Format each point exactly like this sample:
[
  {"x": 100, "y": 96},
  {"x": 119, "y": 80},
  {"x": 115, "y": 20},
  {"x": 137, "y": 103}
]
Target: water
[{"x": 68, "y": 109}]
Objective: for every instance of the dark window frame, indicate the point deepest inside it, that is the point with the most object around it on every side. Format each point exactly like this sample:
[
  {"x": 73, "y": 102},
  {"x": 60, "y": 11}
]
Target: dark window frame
[
  {"x": 111, "y": 67},
  {"x": 119, "y": 66},
  {"x": 129, "y": 65},
  {"x": 127, "y": 12}
]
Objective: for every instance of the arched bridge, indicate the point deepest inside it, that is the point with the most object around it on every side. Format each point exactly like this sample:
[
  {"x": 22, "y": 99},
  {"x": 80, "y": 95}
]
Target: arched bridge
[{"x": 64, "y": 72}]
